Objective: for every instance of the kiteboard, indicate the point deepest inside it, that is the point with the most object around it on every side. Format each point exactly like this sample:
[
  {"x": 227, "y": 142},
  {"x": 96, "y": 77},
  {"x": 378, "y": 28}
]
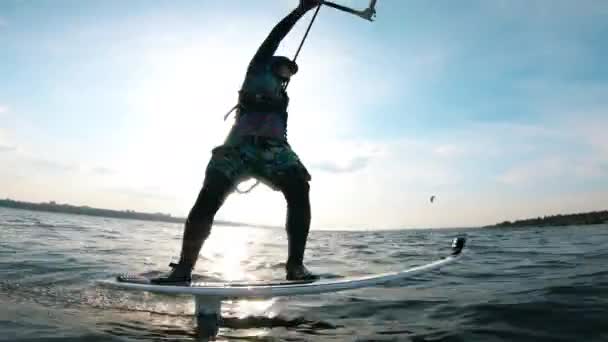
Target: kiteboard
[{"x": 208, "y": 296}]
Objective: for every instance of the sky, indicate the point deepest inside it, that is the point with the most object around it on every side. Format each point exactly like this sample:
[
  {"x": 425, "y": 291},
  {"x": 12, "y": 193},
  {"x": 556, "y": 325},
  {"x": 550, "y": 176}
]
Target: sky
[{"x": 498, "y": 108}]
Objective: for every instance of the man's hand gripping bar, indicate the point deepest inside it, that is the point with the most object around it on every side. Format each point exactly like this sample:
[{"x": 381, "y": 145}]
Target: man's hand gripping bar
[{"x": 368, "y": 14}]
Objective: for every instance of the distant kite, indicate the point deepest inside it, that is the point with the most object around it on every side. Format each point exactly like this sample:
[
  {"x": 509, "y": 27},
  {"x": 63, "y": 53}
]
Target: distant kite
[{"x": 432, "y": 199}]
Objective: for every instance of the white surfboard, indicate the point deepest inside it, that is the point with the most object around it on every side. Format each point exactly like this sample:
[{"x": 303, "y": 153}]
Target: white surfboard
[{"x": 208, "y": 296}]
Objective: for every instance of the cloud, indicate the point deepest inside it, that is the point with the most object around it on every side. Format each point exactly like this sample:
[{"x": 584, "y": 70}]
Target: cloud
[
  {"x": 7, "y": 148},
  {"x": 143, "y": 193},
  {"x": 100, "y": 170},
  {"x": 51, "y": 165},
  {"x": 534, "y": 171},
  {"x": 5, "y": 144},
  {"x": 3, "y": 109},
  {"x": 593, "y": 130},
  {"x": 449, "y": 151},
  {"x": 340, "y": 155},
  {"x": 352, "y": 165},
  {"x": 34, "y": 165},
  {"x": 570, "y": 150},
  {"x": 59, "y": 167}
]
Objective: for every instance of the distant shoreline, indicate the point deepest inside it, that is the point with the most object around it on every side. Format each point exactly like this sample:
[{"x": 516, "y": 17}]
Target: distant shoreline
[
  {"x": 580, "y": 219},
  {"x": 53, "y": 207}
]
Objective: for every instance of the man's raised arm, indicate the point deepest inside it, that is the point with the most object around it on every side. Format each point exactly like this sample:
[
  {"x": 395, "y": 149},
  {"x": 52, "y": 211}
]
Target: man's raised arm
[{"x": 271, "y": 43}]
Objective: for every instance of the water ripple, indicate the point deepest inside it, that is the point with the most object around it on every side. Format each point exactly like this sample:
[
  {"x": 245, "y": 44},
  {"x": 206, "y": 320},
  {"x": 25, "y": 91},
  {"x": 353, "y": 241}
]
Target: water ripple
[{"x": 548, "y": 284}]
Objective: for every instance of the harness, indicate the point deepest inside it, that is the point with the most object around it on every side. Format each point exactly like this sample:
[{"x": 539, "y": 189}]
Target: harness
[
  {"x": 252, "y": 101},
  {"x": 257, "y": 102}
]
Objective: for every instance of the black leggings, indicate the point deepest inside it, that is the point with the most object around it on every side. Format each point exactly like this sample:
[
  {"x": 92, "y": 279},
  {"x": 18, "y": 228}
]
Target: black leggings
[{"x": 217, "y": 187}]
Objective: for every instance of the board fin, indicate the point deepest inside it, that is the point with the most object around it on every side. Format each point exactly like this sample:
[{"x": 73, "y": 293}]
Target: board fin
[{"x": 458, "y": 245}]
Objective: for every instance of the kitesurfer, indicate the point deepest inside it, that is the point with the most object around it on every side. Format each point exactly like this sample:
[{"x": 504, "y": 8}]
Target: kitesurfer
[{"x": 255, "y": 147}]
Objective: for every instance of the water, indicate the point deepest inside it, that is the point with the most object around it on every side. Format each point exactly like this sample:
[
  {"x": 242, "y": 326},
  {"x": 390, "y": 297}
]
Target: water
[{"x": 535, "y": 284}]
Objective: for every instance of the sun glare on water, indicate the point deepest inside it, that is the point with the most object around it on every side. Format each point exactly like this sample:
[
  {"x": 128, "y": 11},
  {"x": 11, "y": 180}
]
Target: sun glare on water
[{"x": 226, "y": 251}]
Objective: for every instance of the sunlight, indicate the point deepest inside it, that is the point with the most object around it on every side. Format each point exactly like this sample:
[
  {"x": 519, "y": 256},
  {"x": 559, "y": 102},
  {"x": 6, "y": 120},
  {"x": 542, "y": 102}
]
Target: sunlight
[
  {"x": 228, "y": 248},
  {"x": 245, "y": 308},
  {"x": 175, "y": 118}
]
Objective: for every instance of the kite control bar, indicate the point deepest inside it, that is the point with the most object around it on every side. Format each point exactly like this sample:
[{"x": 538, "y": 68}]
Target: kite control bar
[{"x": 368, "y": 14}]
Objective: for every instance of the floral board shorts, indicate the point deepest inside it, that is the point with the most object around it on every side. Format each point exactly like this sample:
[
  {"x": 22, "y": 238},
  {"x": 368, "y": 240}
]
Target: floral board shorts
[{"x": 265, "y": 159}]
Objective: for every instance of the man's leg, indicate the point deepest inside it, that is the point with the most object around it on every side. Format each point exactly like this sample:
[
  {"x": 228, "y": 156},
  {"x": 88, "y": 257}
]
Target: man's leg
[
  {"x": 285, "y": 172},
  {"x": 215, "y": 189},
  {"x": 296, "y": 192},
  {"x": 198, "y": 225}
]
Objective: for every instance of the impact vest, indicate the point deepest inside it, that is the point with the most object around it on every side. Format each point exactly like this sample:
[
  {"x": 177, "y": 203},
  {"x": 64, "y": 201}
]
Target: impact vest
[{"x": 262, "y": 93}]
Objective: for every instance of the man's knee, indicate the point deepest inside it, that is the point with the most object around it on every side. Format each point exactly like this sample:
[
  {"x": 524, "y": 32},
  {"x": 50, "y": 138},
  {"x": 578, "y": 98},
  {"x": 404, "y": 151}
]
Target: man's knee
[{"x": 215, "y": 189}]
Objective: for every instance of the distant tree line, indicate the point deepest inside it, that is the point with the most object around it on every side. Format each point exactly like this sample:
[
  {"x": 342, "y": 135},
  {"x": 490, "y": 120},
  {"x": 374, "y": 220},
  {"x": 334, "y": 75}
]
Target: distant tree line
[
  {"x": 54, "y": 207},
  {"x": 86, "y": 210},
  {"x": 595, "y": 217}
]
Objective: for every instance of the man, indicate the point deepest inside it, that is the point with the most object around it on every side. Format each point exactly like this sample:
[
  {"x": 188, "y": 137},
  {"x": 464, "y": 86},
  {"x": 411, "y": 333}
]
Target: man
[{"x": 256, "y": 147}]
